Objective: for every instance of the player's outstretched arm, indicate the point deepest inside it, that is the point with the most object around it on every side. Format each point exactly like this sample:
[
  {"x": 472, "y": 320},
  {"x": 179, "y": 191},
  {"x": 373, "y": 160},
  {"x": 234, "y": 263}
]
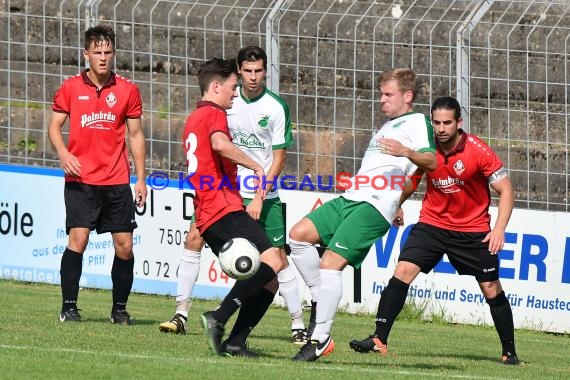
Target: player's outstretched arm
[
  {"x": 423, "y": 160},
  {"x": 496, "y": 237}
]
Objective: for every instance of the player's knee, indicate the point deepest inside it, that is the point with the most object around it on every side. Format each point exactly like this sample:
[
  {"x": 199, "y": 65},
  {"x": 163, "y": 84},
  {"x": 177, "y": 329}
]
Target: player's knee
[
  {"x": 303, "y": 231},
  {"x": 491, "y": 289},
  {"x": 273, "y": 258},
  {"x": 194, "y": 241},
  {"x": 78, "y": 239},
  {"x": 406, "y": 271},
  {"x": 333, "y": 261},
  {"x": 123, "y": 243},
  {"x": 124, "y": 251}
]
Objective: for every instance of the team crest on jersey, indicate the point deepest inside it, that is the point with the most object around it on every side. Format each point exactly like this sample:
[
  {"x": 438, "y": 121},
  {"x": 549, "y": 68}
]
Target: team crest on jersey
[
  {"x": 264, "y": 121},
  {"x": 459, "y": 167},
  {"x": 111, "y": 100},
  {"x": 250, "y": 142}
]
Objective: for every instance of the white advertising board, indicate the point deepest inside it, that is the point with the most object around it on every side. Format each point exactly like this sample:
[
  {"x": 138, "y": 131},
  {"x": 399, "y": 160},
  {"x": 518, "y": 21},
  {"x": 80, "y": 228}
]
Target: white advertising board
[{"x": 535, "y": 262}]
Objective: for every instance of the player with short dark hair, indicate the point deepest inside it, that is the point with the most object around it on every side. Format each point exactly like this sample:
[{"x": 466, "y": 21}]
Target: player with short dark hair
[
  {"x": 454, "y": 220},
  {"x": 99, "y": 104},
  {"x": 261, "y": 116},
  {"x": 220, "y": 214},
  {"x": 348, "y": 225}
]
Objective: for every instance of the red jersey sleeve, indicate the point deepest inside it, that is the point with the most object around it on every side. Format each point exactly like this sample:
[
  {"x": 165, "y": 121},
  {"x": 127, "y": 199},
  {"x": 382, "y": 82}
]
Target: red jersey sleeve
[
  {"x": 134, "y": 110},
  {"x": 61, "y": 99},
  {"x": 219, "y": 124}
]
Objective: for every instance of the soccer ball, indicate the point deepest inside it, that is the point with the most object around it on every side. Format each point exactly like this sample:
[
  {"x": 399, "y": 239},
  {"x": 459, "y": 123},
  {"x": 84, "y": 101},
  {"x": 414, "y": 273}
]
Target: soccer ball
[{"x": 239, "y": 258}]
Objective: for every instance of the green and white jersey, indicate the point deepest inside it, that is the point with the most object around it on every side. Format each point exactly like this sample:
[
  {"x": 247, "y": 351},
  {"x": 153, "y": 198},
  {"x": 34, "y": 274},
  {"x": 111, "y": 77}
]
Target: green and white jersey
[
  {"x": 381, "y": 176},
  {"x": 259, "y": 126}
]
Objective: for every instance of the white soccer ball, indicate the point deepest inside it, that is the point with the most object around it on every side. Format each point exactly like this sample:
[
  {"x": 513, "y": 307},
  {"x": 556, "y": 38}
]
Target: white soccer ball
[{"x": 239, "y": 258}]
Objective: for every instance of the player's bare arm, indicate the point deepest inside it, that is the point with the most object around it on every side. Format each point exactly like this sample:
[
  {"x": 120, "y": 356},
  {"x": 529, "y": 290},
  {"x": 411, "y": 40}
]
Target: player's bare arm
[
  {"x": 69, "y": 163},
  {"x": 410, "y": 187},
  {"x": 496, "y": 237},
  {"x": 138, "y": 150},
  {"x": 225, "y": 148},
  {"x": 424, "y": 160}
]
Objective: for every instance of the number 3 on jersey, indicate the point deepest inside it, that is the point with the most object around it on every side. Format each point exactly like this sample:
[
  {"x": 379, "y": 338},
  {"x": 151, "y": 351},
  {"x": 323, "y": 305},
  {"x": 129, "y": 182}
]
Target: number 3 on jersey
[{"x": 191, "y": 144}]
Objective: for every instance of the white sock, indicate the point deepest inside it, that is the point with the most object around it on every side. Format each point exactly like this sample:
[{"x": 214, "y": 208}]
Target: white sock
[
  {"x": 307, "y": 260},
  {"x": 187, "y": 276},
  {"x": 327, "y": 304},
  {"x": 289, "y": 290}
]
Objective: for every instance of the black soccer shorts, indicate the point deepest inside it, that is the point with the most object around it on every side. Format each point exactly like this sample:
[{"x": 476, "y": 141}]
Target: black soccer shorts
[
  {"x": 106, "y": 208},
  {"x": 426, "y": 245},
  {"x": 236, "y": 224}
]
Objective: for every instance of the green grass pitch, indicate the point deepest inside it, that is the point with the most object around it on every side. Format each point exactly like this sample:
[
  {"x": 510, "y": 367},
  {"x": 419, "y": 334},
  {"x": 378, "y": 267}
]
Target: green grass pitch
[{"x": 34, "y": 344}]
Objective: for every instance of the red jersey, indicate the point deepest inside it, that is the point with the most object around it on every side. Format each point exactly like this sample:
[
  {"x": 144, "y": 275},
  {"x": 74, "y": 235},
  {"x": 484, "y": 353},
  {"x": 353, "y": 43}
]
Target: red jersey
[
  {"x": 458, "y": 196},
  {"x": 213, "y": 177},
  {"x": 97, "y": 126}
]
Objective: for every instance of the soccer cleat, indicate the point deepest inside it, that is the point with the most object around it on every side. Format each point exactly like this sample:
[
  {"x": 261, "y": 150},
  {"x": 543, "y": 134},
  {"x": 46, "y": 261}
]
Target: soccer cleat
[
  {"x": 370, "y": 344},
  {"x": 214, "y": 331},
  {"x": 314, "y": 350},
  {"x": 70, "y": 315},
  {"x": 121, "y": 317},
  {"x": 312, "y": 319},
  {"x": 176, "y": 325},
  {"x": 243, "y": 351},
  {"x": 510, "y": 359},
  {"x": 299, "y": 336}
]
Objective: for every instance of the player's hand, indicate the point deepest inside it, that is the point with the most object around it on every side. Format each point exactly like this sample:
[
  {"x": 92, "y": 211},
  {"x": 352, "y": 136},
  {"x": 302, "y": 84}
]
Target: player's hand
[
  {"x": 398, "y": 220},
  {"x": 140, "y": 193},
  {"x": 254, "y": 207},
  {"x": 496, "y": 240},
  {"x": 70, "y": 164},
  {"x": 393, "y": 147}
]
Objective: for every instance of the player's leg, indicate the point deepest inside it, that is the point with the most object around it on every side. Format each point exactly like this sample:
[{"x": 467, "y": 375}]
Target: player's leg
[
  {"x": 302, "y": 239},
  {"x": 289, "y": 290},
  {"x": 469, "y": 256},
  {"x": 361, "y": 226},
  {"x": 238, "y": 224},
  {"x": 502, "y": 314},
  {"x": 82, "y": 210},
  {"x": 250, "y": 314},
  {"x": 188, "y": 271},
  {"x": 420, "y": 253},
  {"x": 118, "y": 217},
  {"x": 273, "y": 223}
]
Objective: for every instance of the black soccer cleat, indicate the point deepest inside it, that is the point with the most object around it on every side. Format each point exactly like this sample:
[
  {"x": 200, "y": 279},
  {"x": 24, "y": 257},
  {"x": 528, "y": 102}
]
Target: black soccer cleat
[
  {"x": 214, "y": 331},
  {"x": 70, "y": 315},
  {"x": 370, "y": 344},
  {"x": 510, "y": 359},
  {"x": 121, "y": 317},
  {"x": 243, "y": 351},
  {"x": 314, "y": 350}
]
